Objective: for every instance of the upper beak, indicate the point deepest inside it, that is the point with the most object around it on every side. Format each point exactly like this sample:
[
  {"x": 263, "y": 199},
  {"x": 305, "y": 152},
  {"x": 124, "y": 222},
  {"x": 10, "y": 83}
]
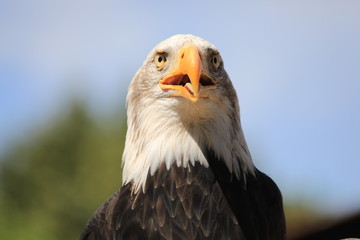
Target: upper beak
[{"x": 185, "y": 79}]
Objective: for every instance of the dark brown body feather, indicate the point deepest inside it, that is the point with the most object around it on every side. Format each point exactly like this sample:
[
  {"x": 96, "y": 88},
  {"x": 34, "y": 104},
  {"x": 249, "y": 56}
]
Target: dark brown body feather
[{"x": 192, "y": 203}]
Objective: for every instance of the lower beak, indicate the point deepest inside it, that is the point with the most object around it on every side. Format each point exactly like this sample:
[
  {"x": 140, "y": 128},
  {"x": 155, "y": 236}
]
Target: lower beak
[{"x": 185, "y": 79}]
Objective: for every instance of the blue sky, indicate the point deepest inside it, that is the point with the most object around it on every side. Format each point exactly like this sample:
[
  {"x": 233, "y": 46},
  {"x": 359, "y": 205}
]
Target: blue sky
[{"x": 295, "y": 66}]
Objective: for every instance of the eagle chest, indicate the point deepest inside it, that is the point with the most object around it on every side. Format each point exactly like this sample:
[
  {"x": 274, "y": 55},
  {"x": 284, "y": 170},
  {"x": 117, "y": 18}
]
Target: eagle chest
[{"x": 176, "y": 203}]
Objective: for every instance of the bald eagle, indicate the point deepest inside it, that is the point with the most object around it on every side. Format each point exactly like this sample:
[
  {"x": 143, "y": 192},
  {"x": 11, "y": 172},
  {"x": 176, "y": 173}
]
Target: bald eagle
[{"x": 187, "y": 170}]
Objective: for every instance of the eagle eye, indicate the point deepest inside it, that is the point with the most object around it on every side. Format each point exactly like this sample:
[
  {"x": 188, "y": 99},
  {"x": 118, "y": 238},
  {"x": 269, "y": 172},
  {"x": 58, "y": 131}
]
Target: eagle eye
[
  {"x": 160, "y": 59},
  {"x": 215, "y": 61}
]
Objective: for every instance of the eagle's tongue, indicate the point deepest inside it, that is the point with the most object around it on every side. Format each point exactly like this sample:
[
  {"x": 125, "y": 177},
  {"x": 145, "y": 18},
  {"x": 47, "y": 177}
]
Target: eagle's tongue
[{"x": 190, "y": 88}]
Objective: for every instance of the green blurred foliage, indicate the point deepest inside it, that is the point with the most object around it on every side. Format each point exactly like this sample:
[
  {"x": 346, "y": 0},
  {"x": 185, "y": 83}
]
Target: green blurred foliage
[
  {"x": 52, "y": 184},
  {"x": 301, "y": 220}
]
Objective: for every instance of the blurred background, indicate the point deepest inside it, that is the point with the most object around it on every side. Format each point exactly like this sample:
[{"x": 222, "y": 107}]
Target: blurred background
[{"x": 65, "y": 67}]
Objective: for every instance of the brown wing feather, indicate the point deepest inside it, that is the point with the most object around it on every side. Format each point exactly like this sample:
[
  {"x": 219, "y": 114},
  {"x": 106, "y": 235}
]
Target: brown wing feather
[{"x": 255, "y": 200}]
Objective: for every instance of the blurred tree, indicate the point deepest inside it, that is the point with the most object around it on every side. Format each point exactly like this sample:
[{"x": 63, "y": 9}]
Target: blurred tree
[
  {"x": 301, "y": 219},
  {"x": 51, "y": 184}
]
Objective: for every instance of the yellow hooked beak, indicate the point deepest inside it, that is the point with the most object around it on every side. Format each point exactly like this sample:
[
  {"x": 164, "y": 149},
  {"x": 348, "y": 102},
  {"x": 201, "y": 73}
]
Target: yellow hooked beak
[{"x": 185, "y": 79}]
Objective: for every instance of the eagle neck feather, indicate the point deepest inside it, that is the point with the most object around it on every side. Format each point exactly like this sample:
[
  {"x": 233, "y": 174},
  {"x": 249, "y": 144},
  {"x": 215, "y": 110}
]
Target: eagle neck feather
[{"x": 180, "y": 135}]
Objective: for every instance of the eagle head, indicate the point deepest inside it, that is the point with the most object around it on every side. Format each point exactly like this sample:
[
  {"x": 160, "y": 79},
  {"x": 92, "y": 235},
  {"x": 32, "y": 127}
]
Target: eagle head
[{"x": 181, "y": 104}]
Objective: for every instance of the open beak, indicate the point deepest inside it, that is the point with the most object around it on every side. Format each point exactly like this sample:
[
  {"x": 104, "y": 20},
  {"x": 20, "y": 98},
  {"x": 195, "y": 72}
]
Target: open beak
[{"x": 185, "y": 79}]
